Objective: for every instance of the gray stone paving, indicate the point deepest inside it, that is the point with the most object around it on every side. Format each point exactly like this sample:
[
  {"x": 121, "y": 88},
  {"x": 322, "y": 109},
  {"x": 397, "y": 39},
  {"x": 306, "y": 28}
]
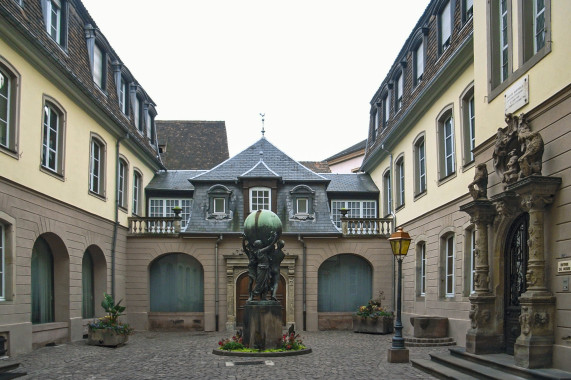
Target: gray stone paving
[{"x": 188, "y": 355}]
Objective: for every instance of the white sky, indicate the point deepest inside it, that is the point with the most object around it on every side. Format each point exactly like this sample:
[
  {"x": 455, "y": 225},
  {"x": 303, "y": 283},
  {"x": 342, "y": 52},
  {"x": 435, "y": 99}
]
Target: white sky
[{"x": 312, "y": 66}]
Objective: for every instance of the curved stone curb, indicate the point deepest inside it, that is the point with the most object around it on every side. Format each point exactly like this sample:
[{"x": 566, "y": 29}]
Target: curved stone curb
[{"x": 217, "y": 351}]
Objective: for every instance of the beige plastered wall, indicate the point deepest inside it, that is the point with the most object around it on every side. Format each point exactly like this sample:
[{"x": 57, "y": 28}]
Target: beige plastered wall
[{"x": 142, "y": 251}]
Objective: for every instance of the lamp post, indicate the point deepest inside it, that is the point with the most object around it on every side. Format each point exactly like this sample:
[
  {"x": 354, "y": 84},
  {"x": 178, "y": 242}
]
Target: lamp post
[{"x": 400, "y": 241}]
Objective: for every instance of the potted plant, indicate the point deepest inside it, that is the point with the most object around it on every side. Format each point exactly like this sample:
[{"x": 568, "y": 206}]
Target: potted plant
[
  {"x": 108, "y": 331},
  {"x": 373, "y": 318},
  {"x": 177, "y": 210}
]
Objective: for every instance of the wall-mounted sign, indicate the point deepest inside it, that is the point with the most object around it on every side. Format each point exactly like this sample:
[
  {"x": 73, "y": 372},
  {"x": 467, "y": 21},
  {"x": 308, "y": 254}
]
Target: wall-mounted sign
[
  {"x": 517, "y": 95},
  {"x": 564, "y": 266}
]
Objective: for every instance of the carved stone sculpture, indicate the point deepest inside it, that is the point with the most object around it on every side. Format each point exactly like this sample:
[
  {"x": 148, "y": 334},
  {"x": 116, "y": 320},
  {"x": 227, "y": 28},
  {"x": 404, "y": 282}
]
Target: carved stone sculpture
[
  {"x": 479, "y": 186},
  {"x": 518, "y": 151}
]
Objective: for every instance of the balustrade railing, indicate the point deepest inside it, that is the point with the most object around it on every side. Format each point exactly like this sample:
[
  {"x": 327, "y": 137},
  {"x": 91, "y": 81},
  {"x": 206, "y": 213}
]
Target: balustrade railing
[
  {"x": 154, "y": 225},
  {"x": 366, "y": 227}
]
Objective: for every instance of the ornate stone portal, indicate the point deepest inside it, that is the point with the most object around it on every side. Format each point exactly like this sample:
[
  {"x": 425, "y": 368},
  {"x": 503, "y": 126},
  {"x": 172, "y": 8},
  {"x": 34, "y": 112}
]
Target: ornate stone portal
[{"x": 517, "y": 159}]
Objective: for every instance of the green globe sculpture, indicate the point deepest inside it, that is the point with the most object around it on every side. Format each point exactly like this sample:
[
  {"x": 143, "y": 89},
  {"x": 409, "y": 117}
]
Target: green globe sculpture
[{"x": 262, "y": 225}]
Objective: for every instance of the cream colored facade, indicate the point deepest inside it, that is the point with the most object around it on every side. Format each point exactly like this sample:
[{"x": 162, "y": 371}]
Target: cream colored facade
[{"x": 434, "y": 217}]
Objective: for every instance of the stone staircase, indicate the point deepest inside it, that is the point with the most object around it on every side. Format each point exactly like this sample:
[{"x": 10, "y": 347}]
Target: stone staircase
[
  {"x": 459, "y": 364},
  {"x": 6, "y": 369}
]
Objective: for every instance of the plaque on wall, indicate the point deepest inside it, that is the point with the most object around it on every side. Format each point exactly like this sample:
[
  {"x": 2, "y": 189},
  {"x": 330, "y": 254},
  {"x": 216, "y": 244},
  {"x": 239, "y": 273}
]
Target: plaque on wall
[
  {"x": 517, "y": 95},
  {"x": 564, "y": 266}
]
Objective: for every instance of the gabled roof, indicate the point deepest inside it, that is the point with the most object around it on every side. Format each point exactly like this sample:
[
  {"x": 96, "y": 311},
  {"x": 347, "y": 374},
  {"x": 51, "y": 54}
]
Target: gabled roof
[
  {"x": 173, "y": 180},
  {"x": 351, "y": 183},
  {"x": 275, "y": 164},
  {"x": 360, "y": 146},
  {"x": 190, "y": 144},
  {"x": 317, "y": 166}
]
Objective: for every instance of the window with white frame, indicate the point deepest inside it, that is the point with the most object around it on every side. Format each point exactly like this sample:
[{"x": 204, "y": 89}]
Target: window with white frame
[
  {"x": 449, "y": 265},
  {"x": 472, "y": 250},
  {"x": 446, "y": 154},
  {"x": 52, "y": 138},
  {"x": 444, "y": 27},
  {"x": 162, "y": 207},
  {"x": 468, "y": 125},
  {"x": 2, "y": 264},
  {"x": 122, "y": 182},
  {"x": 538, "y": 25},
  {"x": 302, "y": 205},
  {"x": 400, "y": 181},
  {"x": 137, "y": 113},
  {"x": 219, "y": 205},
  {"x": 387, "y": 193},
  {"x": 123, "y": 97},
  {"x": 8, "y": 106},
  {"x": 97, "y": 166},
  {"x": 467, "y": 10},
  {"x": 386, "y": 108},
  {"x": 419, "y": 166},
  {"x": 399, "y": 92},
  {"x": 55, "y": 19},
  {"x": 536, "y": 28},
  {"x": 99, "y": 67},
  {"x": 418, "y": 58},
  {"x": 356, "y": 209},
  {"x": 422, "y": 270},
  {"x": 137, "y": 179},
  {"x": 260, "y": 198},
  {"x": 503, "y": 27}
]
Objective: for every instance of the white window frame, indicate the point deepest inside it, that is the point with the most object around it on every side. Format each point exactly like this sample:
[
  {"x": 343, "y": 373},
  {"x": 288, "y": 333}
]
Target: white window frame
[
  {"x": 472, "y": 126},
  {"x": 401, "y": 189},
  {"x": 137, "y": 113},
  {"x": 421, "y": 157},
  {"x": 50, "y": 112},
  {"x": 306, "y": 208},
  {"x": 122, "y": 182},
  {"x": 217, "y": 201},
  {"x": 123, "y": 95},
  {"x": 422, "y": 247},
  {"x": 388, "y": 192},
  {"x": 419, "y": 62},
  {"x": 386, "y": 108},
  {"x": 357, "y": 209},
  {"x": 399, "y": 92},
  {"x": 137, "y": 179},
  {"x": 2, "y": 262},
  {"x": 95, "y": 166},
  {"x": 449, "y": 269},
  {"x": 448, "y": 136},
  {"x": 537, "y": 13},
  {"x": 472, "y": 249},
  {"x": 162, "y": 208},
  {"x": 445, "y": 27},
  {"x": 504, "y": 39},
  {"x": 266, "y": 198},
  {"x": 6, "y": 80},
  {"x": 54, "y": 26},
  {"x": 98, "y": 66},
  {"x": 468, "y": 9}
]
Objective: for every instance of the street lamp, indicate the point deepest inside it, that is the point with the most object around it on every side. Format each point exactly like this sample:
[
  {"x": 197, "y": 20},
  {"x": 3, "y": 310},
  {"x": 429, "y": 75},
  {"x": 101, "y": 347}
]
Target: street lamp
[{"x": 400, "y": 241}]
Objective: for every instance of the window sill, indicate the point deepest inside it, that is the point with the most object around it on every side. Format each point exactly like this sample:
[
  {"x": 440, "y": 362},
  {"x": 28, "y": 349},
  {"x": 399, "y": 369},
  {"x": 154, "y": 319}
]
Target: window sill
[
  {"x": 448, "y": 178},
  {"x": 122, "y": 208},
  {"x": 50, "y": 172},
  {"x": 9, "y": 152},
  {"x": 400, "y": 207},
  {"x": 419, "y": 195},
  {"x": 468, "y": 165},
  {"x": 98, "y": 196}
]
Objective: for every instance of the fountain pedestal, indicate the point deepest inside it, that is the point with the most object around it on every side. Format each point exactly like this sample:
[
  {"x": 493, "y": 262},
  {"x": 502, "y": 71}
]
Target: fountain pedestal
[{"x": 262, "y": 325}]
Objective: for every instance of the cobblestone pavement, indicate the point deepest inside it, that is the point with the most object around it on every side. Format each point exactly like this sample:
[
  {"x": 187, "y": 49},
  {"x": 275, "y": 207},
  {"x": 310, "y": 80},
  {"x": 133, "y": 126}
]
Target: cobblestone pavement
[{"x": 188, "y": 355}]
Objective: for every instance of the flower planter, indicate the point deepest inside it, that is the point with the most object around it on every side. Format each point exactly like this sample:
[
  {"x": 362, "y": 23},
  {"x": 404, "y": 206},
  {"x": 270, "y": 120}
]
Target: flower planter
[
  {"x": 106, "y": 337},
  {"x": 379, "y": 325}
]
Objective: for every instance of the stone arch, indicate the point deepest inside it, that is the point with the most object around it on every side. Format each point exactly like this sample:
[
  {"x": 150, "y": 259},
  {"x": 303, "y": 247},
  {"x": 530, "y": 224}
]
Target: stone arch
[
  {"x": 345, "y": 281},
  {"x": 176, "y": 283},
  {"x": 97, "y": 282},
  {"x": 49, "y": 278}
]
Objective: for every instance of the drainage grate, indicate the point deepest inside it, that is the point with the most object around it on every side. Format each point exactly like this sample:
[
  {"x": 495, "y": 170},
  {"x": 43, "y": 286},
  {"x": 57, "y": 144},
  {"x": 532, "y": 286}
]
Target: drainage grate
[{"x": 250, "y": 362}]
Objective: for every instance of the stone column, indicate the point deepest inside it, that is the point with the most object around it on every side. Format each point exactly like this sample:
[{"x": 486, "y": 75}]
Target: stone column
[
  {"x": 534, "y": 347},
  {"x": 482, "y": 337}
]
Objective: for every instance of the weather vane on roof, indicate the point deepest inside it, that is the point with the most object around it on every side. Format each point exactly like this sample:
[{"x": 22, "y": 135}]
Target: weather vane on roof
[{"x": 263, "y": 130}]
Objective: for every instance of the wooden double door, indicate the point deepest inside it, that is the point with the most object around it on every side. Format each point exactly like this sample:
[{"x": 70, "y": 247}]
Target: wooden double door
[{"x": 242, "y": 296}]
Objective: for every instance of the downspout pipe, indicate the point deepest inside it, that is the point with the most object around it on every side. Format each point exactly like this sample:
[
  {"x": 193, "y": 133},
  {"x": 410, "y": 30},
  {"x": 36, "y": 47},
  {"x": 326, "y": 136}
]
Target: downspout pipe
[
  {"x": 304, "y": 281},
  {"x": 116, "y": 223},
  {"x": 216, "y": 294}
]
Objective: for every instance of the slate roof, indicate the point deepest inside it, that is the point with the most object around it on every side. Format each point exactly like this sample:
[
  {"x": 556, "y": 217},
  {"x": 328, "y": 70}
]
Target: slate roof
[
  {"x": 317, "y": 166},
  {"x": 351, "y": 183},
  {"x": 276, "y": 163},
  {"x": 173, "y": 180},
  {"x": 190, "y": 144},
  {"x": 352, "y": 149}
]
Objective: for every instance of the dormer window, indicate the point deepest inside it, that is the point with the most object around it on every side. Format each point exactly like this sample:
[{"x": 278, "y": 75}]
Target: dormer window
[
  {"x": 99, "y": 67},
  {"x": 398, "y": 92},
  {"x": 418, "y": 63},
  {"x": 444, "y": 28},
  {"x": 55, "y": 20},
  {"x": 123, "y": 98},
  {"x": 302, "y": 202},
  {"x": 260, "y": 198},
  {"x": 218, "y": 202}
]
